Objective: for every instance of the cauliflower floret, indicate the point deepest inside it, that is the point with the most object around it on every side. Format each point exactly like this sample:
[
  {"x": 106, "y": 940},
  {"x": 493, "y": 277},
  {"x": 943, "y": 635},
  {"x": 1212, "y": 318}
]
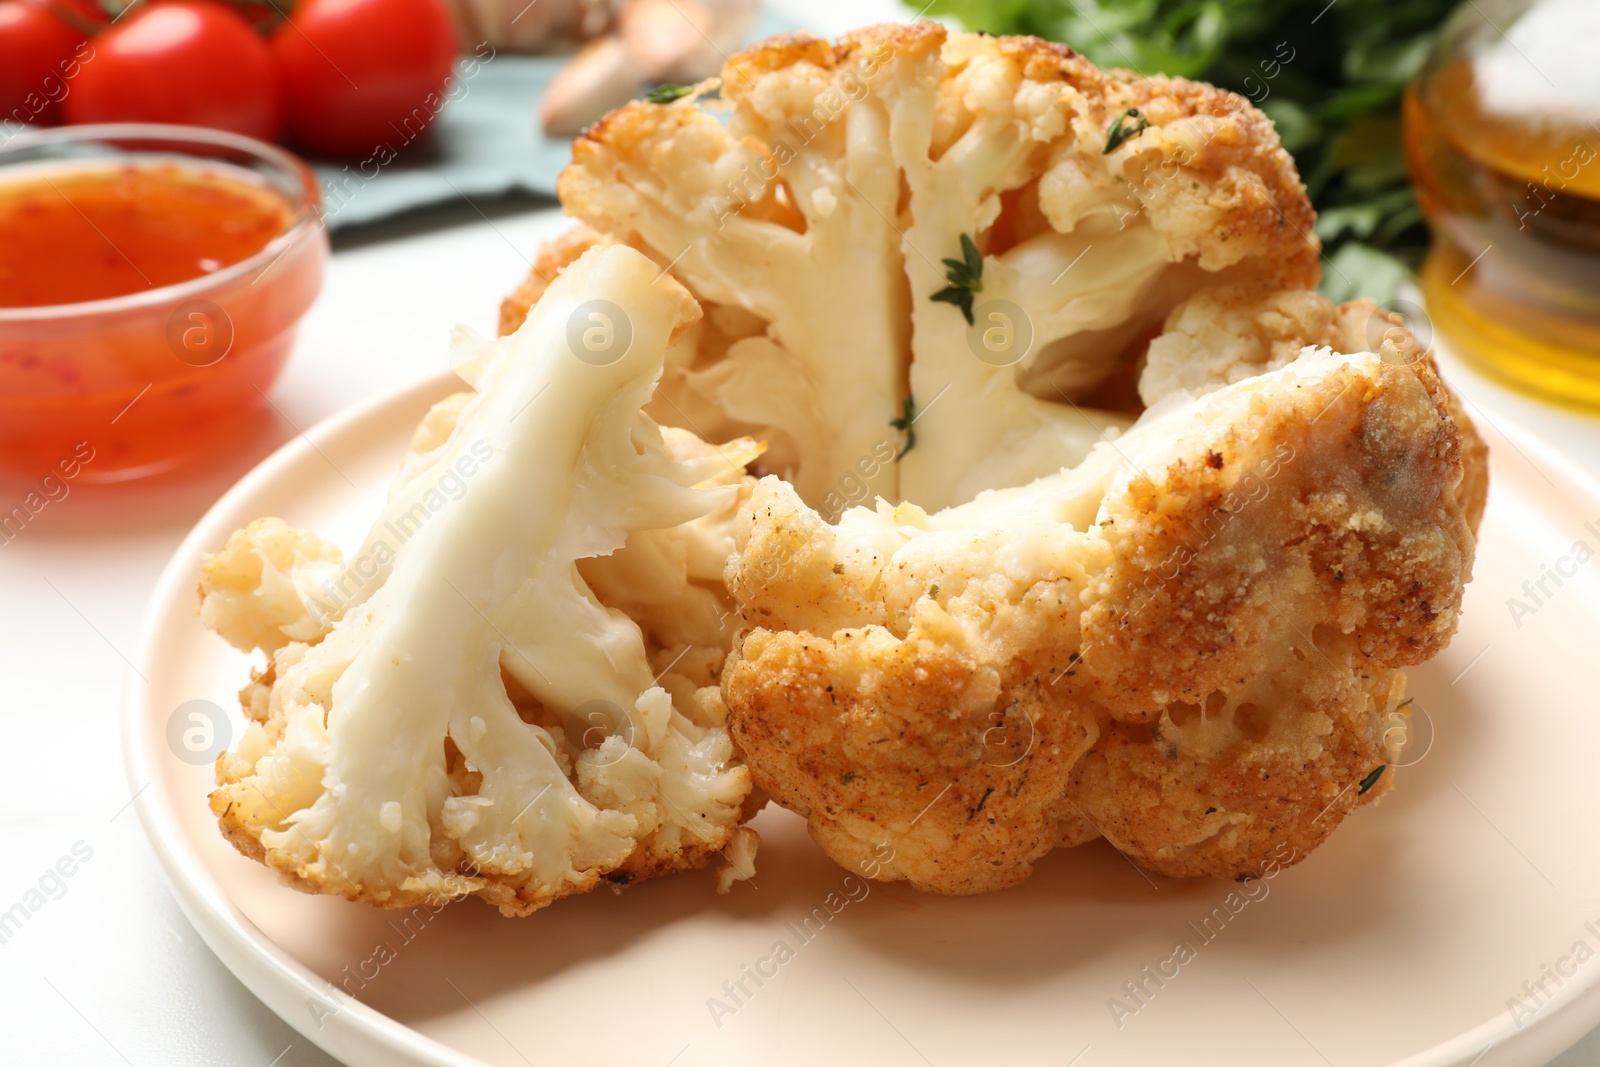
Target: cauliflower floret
[
  {"x": 455, "y": 710},
  {"x": 1230, "y": 333},
  {"x": 1075, "y": 209},
  {"x": 1227, "y": 334},
  {"x": 263, "y": 592},
  {"x": 1188, "y": 643}
]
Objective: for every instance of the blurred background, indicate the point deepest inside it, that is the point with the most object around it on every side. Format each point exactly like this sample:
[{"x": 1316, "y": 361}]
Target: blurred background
[{"x": 392, "y": 166}]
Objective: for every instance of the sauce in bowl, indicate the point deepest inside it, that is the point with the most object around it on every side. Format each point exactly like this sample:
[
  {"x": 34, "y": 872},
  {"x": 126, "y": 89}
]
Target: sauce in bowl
[
  {"x": 76, "y": 236},
  {"x": 151, "y": 282}
]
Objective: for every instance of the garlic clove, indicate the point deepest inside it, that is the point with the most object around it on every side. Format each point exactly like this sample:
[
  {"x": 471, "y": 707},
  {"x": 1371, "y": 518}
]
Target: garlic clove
[
  {"x": 684, "y": 41},
  {"x": 531, "y": 26},
  {"x": 600, "y": 76},
  {"x": 670, "y": 39}
]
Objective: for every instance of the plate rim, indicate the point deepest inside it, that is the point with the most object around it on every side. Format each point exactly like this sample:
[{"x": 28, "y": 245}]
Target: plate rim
[
  {"x": 268, "y": 971},
  {"x": 277, "y": 979}
]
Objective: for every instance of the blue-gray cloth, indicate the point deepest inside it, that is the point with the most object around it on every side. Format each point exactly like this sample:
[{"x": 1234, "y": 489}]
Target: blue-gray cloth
[{"x": 485, "y": 142}]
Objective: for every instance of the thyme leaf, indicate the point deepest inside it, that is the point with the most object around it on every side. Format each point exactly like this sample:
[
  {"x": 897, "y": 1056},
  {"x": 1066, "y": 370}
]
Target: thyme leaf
[
  {"x": 1121, "y": 133},
  {"x": 908, "y": 416},
  {"x": 666, "y": 94},
  {"x": 965, "y": 276}
]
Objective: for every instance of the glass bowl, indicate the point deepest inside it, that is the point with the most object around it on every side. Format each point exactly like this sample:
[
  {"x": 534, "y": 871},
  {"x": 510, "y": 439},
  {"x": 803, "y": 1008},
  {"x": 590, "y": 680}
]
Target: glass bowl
[{"x": 127, "y": 386}]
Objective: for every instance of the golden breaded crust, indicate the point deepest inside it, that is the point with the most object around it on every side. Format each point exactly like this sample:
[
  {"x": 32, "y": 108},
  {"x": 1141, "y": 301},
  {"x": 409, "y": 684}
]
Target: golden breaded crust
[
  {"x": 1360, "y": 529},
  {"x": 776, "y": 53},
  {"x": 1265, "y": 216},
  {"x": 910, "y": 759},
  {"x": 1270, "y": 211},
  {"x": 1229, "y": 649},
  {"x": 1249, "y": 665},
  {"x": 1220, "y": 791},
  {"x": 626, "y": 124},
  {"x": 1235, "y": 330},
  {"x": 1473, "y": 493},
  {"x": 1266, "y": 207}
]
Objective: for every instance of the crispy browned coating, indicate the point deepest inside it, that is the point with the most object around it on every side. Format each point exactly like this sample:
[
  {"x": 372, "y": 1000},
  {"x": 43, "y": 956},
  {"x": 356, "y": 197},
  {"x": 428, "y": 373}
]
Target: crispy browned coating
[
  {"x": 940, "y": 765},
  {"x": 1229, "y": 332},
  {"x": 1252, "y": 780},
  {"x": 1360, "y": 530},
  {"x": 1282, "y": 625},
  {"x": 1225, "y": 639},
  {"x": 1252, "y": 192},
  {"x": 1231, "y": 176}
]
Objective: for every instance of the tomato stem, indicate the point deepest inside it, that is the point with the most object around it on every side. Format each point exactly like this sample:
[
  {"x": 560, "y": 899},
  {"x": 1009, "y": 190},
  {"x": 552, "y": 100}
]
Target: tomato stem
[{"x": 264, "y": 16}]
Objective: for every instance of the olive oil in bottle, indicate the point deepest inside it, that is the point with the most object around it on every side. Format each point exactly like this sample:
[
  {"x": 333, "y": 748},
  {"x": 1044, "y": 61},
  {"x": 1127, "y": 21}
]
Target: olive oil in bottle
[{"x": 1503, "y": 139}]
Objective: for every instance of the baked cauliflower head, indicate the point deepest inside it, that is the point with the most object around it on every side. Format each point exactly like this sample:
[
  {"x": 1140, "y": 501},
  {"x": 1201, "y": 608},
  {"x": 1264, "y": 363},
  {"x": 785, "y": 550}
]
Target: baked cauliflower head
[
  {"x": 510, "y": 689},
  {"x": 1151, "y": 527}
]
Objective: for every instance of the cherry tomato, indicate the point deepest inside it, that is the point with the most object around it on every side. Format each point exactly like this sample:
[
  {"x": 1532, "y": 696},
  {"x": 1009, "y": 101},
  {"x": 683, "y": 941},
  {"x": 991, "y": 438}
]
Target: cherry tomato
[
  {"x": 191, "y": 62},
  {"x": 358, "y": 75},
  {"x": 38, "y": 50}
]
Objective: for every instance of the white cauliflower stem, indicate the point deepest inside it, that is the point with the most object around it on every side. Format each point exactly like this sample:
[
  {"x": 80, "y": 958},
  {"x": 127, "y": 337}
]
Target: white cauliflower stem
[{"x": 475, "y": 719}]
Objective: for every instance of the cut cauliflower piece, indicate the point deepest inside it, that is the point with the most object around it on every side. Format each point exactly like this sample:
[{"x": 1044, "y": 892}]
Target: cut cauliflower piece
[
  {"x": 470, "y": 717},
  {"x": 1189, "y": 643},
  {"x": 819, "y": 219}
]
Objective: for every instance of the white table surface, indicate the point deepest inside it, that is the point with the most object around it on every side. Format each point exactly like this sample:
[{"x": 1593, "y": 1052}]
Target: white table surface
[{"x": 111, "y": 972}]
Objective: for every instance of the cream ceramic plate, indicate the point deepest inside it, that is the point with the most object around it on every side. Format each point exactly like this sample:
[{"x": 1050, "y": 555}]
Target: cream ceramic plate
[{"x": 1407, "y": 939}]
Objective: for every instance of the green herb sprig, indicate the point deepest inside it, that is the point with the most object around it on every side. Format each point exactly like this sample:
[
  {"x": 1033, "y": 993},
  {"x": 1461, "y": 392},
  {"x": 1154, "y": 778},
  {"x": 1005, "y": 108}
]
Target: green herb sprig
[
  {"x": 906, "y": 424},
  {"x": 1121, "y": 131},
  {"x": 965, "y": 276},
  {"x": 666, "y": 94}
]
